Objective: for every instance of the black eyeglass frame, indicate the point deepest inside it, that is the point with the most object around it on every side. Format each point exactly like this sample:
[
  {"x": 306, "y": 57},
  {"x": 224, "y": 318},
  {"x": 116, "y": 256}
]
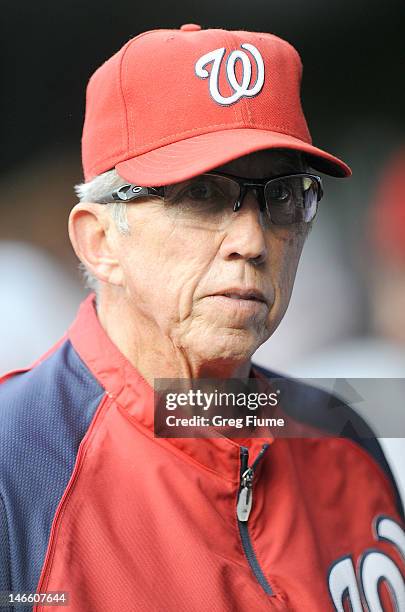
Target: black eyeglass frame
[{"x": 130, "y": 191}]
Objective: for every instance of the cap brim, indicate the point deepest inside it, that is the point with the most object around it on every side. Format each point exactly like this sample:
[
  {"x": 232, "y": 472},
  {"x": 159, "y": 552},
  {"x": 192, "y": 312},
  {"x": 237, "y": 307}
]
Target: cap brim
[{"x": 184, "y": 159}]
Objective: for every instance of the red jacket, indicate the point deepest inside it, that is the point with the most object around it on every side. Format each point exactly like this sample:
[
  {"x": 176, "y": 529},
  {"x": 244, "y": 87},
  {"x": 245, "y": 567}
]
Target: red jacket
[{"x": 148, "y": 524}]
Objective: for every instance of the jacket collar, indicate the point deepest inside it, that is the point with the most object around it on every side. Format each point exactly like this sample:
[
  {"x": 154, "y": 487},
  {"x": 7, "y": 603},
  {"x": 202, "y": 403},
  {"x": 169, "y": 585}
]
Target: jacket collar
[{"x": 124, "y": 383}]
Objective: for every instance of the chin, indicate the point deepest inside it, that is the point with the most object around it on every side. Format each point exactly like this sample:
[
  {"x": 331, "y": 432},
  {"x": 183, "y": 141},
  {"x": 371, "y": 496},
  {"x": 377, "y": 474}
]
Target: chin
[{"x": 229, "y": 345}]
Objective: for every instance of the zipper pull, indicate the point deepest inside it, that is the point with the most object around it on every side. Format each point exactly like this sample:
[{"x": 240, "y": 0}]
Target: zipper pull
[{"x": 245, "y": 496}]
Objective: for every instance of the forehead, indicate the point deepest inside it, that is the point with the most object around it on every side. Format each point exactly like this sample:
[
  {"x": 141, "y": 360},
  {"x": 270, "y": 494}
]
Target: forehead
[{"x": 265, "y": 163}]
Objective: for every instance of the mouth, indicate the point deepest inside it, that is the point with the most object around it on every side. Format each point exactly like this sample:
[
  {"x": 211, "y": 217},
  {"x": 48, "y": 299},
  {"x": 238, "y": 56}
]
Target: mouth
[
  {"x": 253, "y": 295},
  {"x": 239, "y": 306}
]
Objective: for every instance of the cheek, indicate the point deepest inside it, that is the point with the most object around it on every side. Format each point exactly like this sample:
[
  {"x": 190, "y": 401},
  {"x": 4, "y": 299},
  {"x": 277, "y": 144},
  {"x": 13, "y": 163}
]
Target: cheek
[
  {"x": 287, "y": 251},
  {"x": 163, "y": 265}
]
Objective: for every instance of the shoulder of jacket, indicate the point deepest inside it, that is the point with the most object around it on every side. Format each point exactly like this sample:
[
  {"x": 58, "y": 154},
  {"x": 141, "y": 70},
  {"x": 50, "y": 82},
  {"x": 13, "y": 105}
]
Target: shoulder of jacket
[
  {"x": 44, "y": 400},
  {"x": 329, "y": 413}
]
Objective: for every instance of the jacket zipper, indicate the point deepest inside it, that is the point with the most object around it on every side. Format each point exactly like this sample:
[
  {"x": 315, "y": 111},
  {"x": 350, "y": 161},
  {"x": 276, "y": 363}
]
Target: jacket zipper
[{"x": 244, "y": 506}]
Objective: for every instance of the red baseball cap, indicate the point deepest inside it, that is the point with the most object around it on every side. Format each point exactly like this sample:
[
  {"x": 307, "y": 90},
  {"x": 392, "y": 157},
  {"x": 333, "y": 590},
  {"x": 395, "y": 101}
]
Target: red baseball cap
[{"x": 172, "y": 104}]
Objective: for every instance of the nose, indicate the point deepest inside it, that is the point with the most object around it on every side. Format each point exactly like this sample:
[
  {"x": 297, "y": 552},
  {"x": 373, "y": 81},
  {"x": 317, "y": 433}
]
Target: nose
[{"x": 245, "y": 235}]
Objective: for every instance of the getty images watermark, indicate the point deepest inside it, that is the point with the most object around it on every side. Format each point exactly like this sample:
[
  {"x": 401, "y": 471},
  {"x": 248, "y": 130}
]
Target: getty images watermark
[
  {"x": 209, "y": 407},
  {"x": 280, "y": 406},
  {"x": 205, "y": 401}
]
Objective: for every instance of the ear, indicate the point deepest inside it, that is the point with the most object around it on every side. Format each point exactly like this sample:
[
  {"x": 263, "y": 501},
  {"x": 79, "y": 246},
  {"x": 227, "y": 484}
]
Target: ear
[{"x": 92, "y": 237}]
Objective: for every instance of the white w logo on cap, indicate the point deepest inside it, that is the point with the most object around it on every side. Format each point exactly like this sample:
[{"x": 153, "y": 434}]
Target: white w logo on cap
[{"x": 241, "y": 90}]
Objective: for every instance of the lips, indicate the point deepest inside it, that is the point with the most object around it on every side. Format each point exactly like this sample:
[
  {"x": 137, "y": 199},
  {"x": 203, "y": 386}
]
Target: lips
[{"x": 243, "y": 294}]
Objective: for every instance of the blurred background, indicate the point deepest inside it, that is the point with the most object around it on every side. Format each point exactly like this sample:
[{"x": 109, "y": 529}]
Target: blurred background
[{"x": 347, "y": 314}]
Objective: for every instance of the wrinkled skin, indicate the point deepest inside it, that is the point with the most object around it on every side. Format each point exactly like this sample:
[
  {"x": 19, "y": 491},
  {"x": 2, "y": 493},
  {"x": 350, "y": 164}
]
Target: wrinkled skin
[{"x": 154, "y": 301}]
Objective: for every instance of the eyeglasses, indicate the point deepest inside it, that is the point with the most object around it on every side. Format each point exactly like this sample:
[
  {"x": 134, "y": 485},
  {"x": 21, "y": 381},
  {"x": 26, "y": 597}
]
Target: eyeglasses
[{"x": 209, "y": 199}]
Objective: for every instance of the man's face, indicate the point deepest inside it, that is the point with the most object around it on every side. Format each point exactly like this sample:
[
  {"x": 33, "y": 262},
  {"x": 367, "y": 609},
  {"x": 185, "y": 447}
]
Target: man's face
[{"x": 174, "y": 271}]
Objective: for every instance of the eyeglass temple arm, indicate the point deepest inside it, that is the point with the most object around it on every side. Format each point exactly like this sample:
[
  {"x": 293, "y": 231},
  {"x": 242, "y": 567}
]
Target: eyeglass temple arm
[{"x": 129, "y": 192}]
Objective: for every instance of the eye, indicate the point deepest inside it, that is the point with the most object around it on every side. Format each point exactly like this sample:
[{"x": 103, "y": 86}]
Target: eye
[
  {"x": 201, "y": 191},
  {"x": 278, "y": 192},
  {"x": 205, "y": 193}
]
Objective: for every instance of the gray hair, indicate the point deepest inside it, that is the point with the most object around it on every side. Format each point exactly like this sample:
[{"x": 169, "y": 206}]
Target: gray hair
[{"x": 93, "y": 191}]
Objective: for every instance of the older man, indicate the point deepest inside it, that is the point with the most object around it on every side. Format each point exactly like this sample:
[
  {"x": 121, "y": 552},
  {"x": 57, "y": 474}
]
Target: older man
[{"x": 197, "y": 201}]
